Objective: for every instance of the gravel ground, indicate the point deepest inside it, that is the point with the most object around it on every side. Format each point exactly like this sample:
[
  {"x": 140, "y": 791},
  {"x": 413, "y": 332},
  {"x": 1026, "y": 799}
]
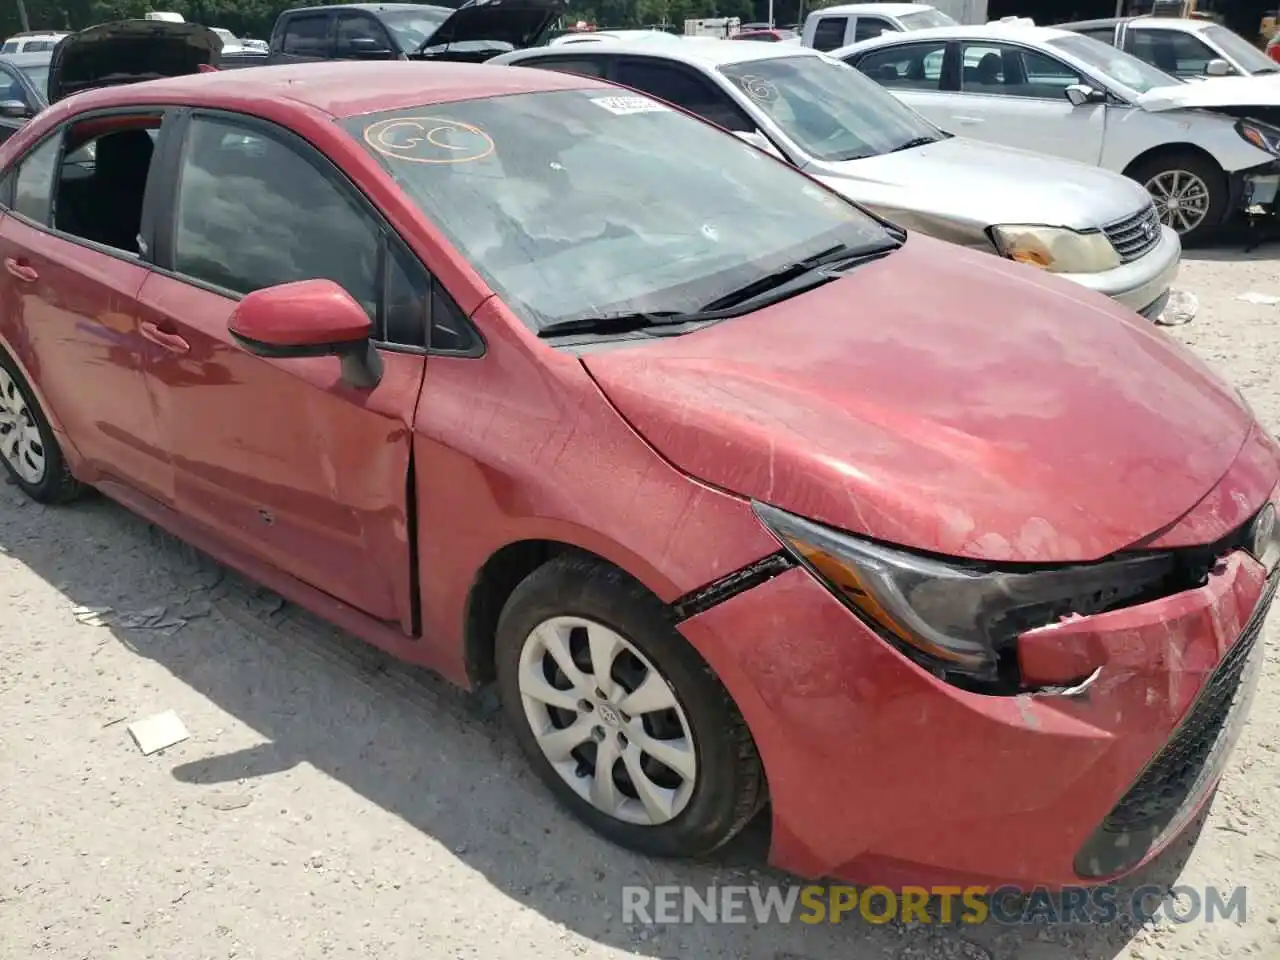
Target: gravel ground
[{"x": 331, "y": 803}]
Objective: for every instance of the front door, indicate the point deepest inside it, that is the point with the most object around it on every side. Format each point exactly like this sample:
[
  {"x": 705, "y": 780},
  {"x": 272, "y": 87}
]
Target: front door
[
  {"x": 1016, "y": 96},
  {"x": 72, "y": 270},
  {"x": 282, "y": 458}
]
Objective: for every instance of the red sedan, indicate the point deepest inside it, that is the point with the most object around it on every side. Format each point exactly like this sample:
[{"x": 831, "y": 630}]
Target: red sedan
[{"x": 738, "y": 493}]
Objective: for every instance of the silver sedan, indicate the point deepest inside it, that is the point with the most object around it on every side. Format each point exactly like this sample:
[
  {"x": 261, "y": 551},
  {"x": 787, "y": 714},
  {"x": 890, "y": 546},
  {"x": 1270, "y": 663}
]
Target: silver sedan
[{"x": 1091, "y": 226}]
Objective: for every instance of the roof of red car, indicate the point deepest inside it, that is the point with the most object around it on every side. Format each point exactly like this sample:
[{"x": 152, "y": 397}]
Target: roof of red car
[{"x": 347, "y": 88}]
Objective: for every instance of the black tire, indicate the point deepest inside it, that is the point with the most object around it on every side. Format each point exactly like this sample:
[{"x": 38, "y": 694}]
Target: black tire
[
  {"x": 1199, "y": 166},
  {"x": 57, "y": 485},
  {"x": 729, "y": 787}
]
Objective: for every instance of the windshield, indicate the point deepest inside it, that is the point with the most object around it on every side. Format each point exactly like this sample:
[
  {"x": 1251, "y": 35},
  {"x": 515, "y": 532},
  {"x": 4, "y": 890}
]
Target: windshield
[
  {"x": 1115, "y": 65},
  {"x": 925, "y": 20},
  {"x": 832, "y": 111},
  {"x": 413, "y": 27},
  {"x": 39, "y": 77},
  {"x": 1237, "y": 48},
  {"x": 584, "y": 203}
]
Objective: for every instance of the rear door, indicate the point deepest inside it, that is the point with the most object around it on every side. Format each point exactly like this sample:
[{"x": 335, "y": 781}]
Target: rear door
[
  {"x": 283, "y": 459},
  {"x": 73, "y": 258}
]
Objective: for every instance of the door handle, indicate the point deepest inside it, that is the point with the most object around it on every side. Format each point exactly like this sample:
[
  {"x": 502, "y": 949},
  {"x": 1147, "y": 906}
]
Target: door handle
[
  {"x": 170, "y": 341},
  {"x": 968, "y": 121},
  {"x": 25, "y": 273}
]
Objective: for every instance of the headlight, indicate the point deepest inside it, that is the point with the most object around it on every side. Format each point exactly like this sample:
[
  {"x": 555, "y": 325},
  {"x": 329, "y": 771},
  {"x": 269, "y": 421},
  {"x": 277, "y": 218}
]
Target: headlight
[
  {"x": 1056, "y": 249},
  {"x": 1265, "y": 138},
  {"x": 952, "y": 616}
]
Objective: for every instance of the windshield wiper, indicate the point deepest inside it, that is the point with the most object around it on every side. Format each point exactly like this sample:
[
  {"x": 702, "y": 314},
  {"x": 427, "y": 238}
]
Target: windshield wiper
[
  {"x": 786, "y": 282},
  {"x": 795, "y": 277},
  {"x": 913, "y": 143},
  {"x": 619, "y": 323}
]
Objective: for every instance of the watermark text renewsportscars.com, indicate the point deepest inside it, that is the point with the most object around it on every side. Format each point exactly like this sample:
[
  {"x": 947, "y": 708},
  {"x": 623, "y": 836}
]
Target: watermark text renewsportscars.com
[{"x": 945, "y": 905}]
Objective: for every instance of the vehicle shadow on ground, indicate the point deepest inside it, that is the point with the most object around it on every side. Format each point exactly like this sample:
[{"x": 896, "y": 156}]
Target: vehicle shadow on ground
[{"x": 441, "y": 760}]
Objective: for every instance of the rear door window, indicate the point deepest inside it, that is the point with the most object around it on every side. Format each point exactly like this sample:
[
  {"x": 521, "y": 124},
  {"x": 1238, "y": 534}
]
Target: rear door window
[
  {"x": 865, "y": 28},
  {"x": 1180, "y": 54},
  {"x": 829, "y": 33},
  {"x": 307, "y": 36},
  {"x": 360, "y": 35},
  {"x": 583, "y": 66},
  {"x": 685, "y": 88},
  {"x": 911, "y": 66},
  {"x": 33, "y": 188}
]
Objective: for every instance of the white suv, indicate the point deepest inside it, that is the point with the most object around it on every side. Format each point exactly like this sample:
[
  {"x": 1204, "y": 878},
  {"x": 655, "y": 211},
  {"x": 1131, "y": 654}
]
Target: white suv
[{"x": 34, "y": 42}]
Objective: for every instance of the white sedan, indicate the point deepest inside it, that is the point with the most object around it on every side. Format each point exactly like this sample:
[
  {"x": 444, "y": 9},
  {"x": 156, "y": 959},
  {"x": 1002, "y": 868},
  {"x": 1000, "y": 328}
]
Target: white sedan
[{"x": 1203, "y": 150}]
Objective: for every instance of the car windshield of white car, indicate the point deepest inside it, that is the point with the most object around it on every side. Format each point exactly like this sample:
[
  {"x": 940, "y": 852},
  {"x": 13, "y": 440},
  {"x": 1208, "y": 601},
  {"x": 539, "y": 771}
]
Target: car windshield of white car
[
  {"x": 925, "y": 19},
  {"x": 832, "y": 111},
  {"x": 1237, "y": 48},
  {"x": 585, "y": 203},
  {"x": 1115, "y": 65}
]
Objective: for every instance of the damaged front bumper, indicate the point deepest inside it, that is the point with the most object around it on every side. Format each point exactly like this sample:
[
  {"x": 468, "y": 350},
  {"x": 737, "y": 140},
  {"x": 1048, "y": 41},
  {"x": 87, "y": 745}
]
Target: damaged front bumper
[{"x": 880, "y": 773}]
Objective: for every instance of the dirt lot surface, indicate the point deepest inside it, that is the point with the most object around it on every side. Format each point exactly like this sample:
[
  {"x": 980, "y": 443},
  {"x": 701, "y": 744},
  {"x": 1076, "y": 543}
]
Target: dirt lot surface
[{"x": 332, "y": 804}]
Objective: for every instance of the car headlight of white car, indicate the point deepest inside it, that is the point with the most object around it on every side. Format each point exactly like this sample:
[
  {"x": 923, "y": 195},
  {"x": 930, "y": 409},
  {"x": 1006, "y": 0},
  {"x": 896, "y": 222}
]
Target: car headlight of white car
[
  {"x": 1261, "y": 135},
  {"x": 1055, "y": 249}
]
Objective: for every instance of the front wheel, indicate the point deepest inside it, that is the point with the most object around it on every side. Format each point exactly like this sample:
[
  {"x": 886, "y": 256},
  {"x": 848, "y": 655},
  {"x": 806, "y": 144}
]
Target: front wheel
[
  {"x": 1189, "y": 191},
  {"x": 619, "y": 716}
]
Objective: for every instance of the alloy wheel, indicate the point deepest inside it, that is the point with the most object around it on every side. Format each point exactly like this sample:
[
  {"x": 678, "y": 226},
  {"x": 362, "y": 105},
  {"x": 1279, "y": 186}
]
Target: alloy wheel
[
  {"x": 20, "y": 441},
  {"x": 1181, "y": 199},
  {"x": 607, "y": 720}
]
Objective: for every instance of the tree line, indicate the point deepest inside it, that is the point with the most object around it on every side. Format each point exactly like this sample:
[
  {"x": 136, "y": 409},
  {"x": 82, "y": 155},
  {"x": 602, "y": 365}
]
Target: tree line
[{"x": 254, "y": 18}]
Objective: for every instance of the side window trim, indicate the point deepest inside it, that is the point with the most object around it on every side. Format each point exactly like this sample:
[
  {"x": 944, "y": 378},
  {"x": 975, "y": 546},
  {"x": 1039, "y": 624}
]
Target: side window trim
[{"x": 388, "y": 238}]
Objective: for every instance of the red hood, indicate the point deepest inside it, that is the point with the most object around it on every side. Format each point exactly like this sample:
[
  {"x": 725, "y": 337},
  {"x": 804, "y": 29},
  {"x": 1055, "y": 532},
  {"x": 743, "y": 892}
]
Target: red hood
[{"x": 945, "y": 400}]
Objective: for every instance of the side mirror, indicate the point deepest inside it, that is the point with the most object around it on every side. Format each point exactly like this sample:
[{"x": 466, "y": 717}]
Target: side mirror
[
  {"x": 1218, "y": 68},
  {"x": 367, "y": 48},
  {"x": 759, "y": 141},
  {"x": 15, "y": 110},
  {"x": 309, "y": 318},
  {"x": 1079, "y": 94}
]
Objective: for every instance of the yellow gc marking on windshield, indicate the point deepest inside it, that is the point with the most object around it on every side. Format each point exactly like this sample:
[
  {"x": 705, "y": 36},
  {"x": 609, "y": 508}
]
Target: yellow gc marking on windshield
[{"x": 429, "y": 140}]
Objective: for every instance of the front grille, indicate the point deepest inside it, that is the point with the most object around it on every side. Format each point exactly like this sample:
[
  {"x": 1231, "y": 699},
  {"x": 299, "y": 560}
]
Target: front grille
[
  {"x": 1194, "y": 755},
  {"x": 1134, "y": 236}
]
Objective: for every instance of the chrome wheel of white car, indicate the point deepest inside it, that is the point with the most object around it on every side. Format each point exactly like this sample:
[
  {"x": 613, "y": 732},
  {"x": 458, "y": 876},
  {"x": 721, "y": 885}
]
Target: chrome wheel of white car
[
  {"x": 607, "y": 720},
  {"x": 20, "y": 441},
  {"x": 1182, "y": 199}
]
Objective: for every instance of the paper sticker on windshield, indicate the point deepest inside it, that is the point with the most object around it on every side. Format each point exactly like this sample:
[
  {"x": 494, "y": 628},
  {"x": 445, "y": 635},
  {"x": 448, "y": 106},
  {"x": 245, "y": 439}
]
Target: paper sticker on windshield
[
  {"x": 429, "y": 140},
  {"x": 622, "y": 106}
]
